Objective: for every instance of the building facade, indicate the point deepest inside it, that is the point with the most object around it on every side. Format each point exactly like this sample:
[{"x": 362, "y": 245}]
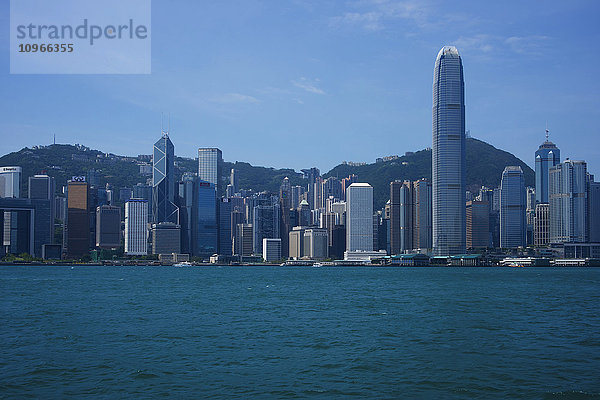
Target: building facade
[
  {"x": 546, "y": 157},
  {"x": 513, "y": 204},
  {"x": 359, "y": 217},
  {"x": 136, "y": 227},
  {"x": 163, "y": 182},
  {"x": 568, "y": 202},
  {"x": 210, "y": 165}
]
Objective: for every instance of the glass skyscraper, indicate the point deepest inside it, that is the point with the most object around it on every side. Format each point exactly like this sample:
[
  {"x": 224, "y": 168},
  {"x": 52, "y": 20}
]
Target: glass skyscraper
[
  {"x": 546, "y": 157},
  {"x": 448, "y": 158},
  {"x": 210, "y": 164},
  {"x": 163, "y": 182},
  {"x": 513, "y": 222},
  {"x": 568, "y": 213}
]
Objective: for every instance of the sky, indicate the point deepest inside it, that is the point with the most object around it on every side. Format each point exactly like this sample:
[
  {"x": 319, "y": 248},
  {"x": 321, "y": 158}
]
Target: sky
[{"x": 305, "y": 83}]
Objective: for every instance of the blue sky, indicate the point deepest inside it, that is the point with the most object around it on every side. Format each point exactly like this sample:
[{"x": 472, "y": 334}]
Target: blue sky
[{"x": 313, "y": 83}]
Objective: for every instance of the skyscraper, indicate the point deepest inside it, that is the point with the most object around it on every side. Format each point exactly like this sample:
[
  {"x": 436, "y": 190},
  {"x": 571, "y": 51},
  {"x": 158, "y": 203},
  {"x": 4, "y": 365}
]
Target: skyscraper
[
  {"x": 546, "y": 157},
  {"x": 210, "y": 164},
  {"x": 265, "y": 224},
  {"x": 359, "y": 217},
  {"x": 10, "y": 182},
  {"x": 568, "y": 202},
  {"x": 513, "y": 223},
  {"x": 108, "y": 227},
  {"x": 78, "y": 218},
  {"x": 163, "y": 182},
  {"x": 285, "y": 203},
  {"x": 448, "y": 158},
  {"x": 136, "y": 227}
]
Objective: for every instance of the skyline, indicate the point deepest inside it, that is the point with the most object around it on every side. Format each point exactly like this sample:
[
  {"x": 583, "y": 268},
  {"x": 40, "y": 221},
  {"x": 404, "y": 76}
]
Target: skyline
[{"x": 346, "y": 64}]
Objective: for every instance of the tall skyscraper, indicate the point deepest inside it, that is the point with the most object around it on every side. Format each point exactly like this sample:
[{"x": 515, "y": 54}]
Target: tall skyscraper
[
  {"x": 78, "y": 218},
  {"x": 359, "y": 217},
  {"x": 478, "y": 224},
  {"x": 136, "y": 227},
  {"x": 10, "y": 182},
  {"x": 285, "y": 203},
  {"x": 265, "y": 224},
  {"x": 225, "y": 236},
  {"x": 43, "y": 187},
  {"x": 448, "y": 158},
  {"x": 513, "y": 203},
  {"x": 594, "y": 212},
  {"x": 210, "y": 165},
  {"x": 546, "y": 157},
  {"x": 204, "y": 220},
  {"x": 163, "y": 182},
  {"x": 234, "y": 181},
  {"x": 568, "y": 213}
]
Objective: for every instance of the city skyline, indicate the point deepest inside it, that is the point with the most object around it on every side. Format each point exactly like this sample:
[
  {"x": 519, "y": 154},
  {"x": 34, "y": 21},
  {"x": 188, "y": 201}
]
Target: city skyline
[{"x": 237, "y": 93}]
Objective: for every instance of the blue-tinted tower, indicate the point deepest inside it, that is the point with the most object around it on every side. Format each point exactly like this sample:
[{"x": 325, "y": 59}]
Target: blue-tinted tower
[
  {"x": 448, "y": 156},
  {"x": 163, "y": 182},
  {"x": 546, "y": 157}
]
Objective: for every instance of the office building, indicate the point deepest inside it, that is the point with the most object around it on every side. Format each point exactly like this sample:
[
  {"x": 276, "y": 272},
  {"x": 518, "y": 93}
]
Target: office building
[
  {"x": 78, "y": 218},
  {"x": 568, "y": 212},
  {"x": 285, "y": 204},
  {"x": 541, "y": 225},
  {"x": 108, "y": 227},
  {"x": 265, "y": 225},
  {"x": 271, "y": 249},
  {"x": 546, "y": 157},
  {"x": 359, "y": 217},
  {"x": 136, "y": 227},
  {"x": 10, "y": 182},
  {"x": 210, "y": 165},
  {"x": 513, "y": 223},
  {"x": 43, "y": 187},
  {"x": 28, "y": 228},
  {"x": 243, "y": 240},
  {"x": 204, "y": 217},
  {"x": 478, "y": 224},
  {"x": 166, "y": 238},
  {"x": 594, "y": 212},
  {"x": 316, "y": 243},
  {"x": 225, "y": 238},
  {"x": 163, "y": 182},
  {"x": 234, "y": 181},
  {"x": 143, "y": 191},
  {"x": 448, "y": 157},
  {"x": 296, "y": 242}
]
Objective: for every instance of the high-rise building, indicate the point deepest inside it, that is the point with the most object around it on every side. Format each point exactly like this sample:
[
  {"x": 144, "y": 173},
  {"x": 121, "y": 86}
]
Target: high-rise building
[
  {"x": 204, "y": 220},
  {"x": 243, "y": 240},
  {"x": 10, "y": 182},
  {"x": 513, "y": 224},
  {"x": 541, "y": 225},
  {"x": 108, "y": 227},
  {"x": 271, "y": 249},
  {"x": 296, "y": 242},
  {"x": 410, "y": 216},
  {"x": 285, "y": 203},
  {"x": 163, "y": 182},
  {"x": 210, "y": 166},
  {"x": 568, "y": 202},
  {"x": 448, "y": 157},
  {"x": 43, "y": 187},
  {"x": 265, "y": 225},
  {"x": 422, "y": 214},
  {"x": 143, "y": 191},
  {"x": 234, "y": 181},
  {"x": 27, "y": 230},
  {"x": 78, "y": 218},
  {"x": 136, "y": 227},
  {"x": 316, "y": 243},
  {"x": 478, "y": 223},
  {"x": 546, "y": 157},
  {"x": 359, "y": 217},
  {"x": 166, "y": 238},
  {"x": 594, "y": 212},
  {"x": 225, "y": 238}
]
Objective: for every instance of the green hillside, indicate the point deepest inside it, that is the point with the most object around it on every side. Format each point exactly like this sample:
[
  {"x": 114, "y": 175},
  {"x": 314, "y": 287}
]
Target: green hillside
[
  {"x": 485, "y": 164},
  {"x": 484, "y": 167}
]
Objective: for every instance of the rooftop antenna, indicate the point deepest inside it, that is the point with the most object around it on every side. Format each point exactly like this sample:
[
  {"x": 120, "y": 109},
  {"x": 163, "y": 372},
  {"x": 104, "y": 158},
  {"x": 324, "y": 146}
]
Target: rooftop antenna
[
  {"x": 169, "y": 130},
  {"x": 54, "y": 138},
  {"x": 547, "y": 131}
]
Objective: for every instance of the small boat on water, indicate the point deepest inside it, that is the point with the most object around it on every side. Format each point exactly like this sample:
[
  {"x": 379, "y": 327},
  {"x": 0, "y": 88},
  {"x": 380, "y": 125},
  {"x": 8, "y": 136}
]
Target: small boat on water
[{"x": 183, "y": 264}]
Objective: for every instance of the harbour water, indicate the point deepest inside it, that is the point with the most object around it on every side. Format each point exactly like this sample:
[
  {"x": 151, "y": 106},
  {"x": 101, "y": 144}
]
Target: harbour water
[{"x": 299, "y": 332}]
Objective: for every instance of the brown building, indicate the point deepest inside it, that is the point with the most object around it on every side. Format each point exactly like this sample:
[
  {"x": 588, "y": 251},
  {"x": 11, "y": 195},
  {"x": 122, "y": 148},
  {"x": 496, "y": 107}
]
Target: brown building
[{"x": 78, "y": 219}]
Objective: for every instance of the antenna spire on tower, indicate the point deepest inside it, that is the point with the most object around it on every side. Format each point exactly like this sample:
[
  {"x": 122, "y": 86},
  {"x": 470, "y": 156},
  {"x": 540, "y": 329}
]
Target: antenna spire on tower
[{"x": 547, "y": 131}]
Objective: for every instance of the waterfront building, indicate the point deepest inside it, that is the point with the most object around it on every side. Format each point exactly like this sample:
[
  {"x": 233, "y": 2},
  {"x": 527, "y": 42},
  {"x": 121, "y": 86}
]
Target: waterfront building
[
  {"x": 316, "y": 243},
  {"x": 43, "y": 187},
  {"x": 163, "y": 182},
  {"x": 448, "y": 156},
  {"x": 359, "y": 217},
  {"x": 28, "y": 228},
  {"x": 546, "y": 157},
  {"x": 166, "y": 238},
  {"x": 296, "y": 242},
  {"x": 285, "y": 203},
  {"x": 78, "y": 218},
  {"x": 478, "y": 223},
  {"x": 568, "y": 202},
  {"x": 225, "y": 239},
  {"x": 136, "y": 227},
  {"x": 271, "y": 249},
  {"x": 243, "y": 240},
  {"x": 204, "y": 219},
  {"x": 594, "y": 212},
  {"x": 513, "y": 223},
  {"x": 210, "y": 166},
  {"x": 108, "y": 227}
]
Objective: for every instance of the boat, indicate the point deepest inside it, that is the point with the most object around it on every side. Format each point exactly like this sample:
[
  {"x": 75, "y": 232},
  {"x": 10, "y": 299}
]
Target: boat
[{"x": 183, "y": 264}]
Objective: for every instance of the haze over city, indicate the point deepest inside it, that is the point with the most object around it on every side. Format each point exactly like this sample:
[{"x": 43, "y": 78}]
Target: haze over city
[{"x": 299, "y": 84}]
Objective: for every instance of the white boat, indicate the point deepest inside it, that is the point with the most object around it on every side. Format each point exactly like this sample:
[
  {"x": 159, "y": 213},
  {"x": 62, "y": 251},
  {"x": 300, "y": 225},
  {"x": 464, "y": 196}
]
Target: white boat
[{"x": 183, "y": 264}]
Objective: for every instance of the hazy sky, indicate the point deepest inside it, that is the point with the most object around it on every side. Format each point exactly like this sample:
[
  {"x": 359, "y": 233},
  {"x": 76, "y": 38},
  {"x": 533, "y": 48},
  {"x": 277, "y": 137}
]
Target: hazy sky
[{"x": 313, "y": 83}]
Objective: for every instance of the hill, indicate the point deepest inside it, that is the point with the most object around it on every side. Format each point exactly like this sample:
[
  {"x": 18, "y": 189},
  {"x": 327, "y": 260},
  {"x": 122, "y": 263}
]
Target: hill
[{"x": 484, "y": 167}]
